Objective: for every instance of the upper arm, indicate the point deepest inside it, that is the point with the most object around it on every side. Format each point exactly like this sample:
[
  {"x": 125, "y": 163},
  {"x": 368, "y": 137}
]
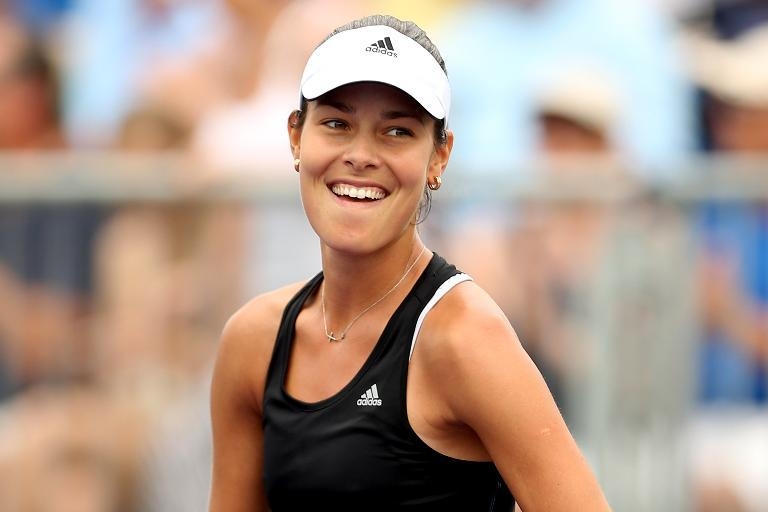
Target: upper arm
[
  {"x": 505, "y": 401},
  {"x": 237, "y": 433},
  {"x": 237, "y": 393}
]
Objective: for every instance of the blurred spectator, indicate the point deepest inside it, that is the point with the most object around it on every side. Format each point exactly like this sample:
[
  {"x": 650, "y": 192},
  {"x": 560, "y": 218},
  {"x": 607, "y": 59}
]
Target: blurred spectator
[
  {"x": 730, "y": 434},
  {"x": 735, "y": 236},
  {"x": 553, "y": 255},
  {"x": 160, "y": 311},
  {"x": 162, "y": 326},
  {"x": 45, "y": 249},
  {"x": 578, "y": 111}
]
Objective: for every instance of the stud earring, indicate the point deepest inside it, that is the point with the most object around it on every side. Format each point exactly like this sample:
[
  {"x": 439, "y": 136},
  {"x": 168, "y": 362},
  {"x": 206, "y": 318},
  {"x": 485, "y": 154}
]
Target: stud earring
[
  {"x": 296, "y": 162},
  {"x": 434, "y": 182}
]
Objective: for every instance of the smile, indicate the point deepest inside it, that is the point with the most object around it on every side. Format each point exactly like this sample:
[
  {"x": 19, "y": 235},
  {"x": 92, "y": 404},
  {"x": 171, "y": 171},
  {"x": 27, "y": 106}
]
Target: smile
[{"x": 366, "y": 193}]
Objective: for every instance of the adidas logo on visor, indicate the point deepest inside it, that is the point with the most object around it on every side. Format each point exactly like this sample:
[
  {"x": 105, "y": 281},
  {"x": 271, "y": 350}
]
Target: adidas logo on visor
[{"x": 383, "y": 47}]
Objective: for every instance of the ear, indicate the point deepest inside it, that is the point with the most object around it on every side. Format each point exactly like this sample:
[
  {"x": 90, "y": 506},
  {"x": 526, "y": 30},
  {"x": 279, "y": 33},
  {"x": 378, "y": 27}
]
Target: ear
[
  {"x": 294, "y": 133},
  {"x": 440, "y": 156}
]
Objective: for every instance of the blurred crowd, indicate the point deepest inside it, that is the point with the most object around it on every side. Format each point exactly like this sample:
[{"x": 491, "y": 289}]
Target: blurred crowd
[{"x": 109, "y": 313}]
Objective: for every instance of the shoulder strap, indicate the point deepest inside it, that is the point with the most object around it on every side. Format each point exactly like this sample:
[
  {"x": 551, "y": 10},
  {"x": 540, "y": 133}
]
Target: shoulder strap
[
  {"x": 281, "y": 352},
  {"x": 439, "y": 294}
]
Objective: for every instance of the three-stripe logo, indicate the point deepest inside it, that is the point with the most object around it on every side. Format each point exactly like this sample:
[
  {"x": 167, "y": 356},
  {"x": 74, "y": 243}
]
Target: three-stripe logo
[
  {"x": 382, "y": 46},
  {"x": 370, "y": 397}
]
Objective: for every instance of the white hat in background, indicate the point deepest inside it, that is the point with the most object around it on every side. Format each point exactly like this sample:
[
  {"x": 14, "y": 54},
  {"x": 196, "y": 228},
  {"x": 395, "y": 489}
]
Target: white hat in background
[
  {"x": 378, "y": 54},
  {"x": 583, "y": 94},
  {"x": 735, "y": 71}
]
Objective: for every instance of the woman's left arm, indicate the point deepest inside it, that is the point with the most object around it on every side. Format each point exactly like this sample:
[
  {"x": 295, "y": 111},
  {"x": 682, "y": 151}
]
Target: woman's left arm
[{"x": 505, "y": 400}]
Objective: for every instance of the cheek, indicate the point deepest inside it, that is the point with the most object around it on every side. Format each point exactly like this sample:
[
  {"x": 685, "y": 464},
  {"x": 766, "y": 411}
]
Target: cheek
[
  {"x": 315, "y": 155},
  {"x": 412, "y": 167}
]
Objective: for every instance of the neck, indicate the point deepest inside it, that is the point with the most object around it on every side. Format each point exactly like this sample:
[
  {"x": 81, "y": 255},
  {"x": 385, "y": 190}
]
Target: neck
[{"x": 353, "y": 282}]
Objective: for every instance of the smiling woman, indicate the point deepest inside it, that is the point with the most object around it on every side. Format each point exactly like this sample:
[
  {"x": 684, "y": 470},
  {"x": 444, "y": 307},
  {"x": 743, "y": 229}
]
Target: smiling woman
[
  {"x": 365, "y": 140},
  {"x": 376, "y": 384}
]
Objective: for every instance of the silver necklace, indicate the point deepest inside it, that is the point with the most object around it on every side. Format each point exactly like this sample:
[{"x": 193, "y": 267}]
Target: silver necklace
[{"x": 330, "y": 334}]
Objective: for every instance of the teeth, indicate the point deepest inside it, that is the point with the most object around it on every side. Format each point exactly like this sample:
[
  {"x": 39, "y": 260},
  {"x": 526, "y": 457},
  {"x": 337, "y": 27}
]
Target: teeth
[{"x": 358, "y": 193}]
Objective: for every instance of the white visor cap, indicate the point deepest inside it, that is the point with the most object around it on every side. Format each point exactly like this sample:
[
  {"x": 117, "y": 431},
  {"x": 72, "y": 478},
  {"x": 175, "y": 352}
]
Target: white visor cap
[{"x": 378, "y": 54}]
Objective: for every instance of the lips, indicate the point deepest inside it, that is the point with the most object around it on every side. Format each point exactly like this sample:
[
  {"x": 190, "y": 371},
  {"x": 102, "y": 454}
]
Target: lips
[{"x": 360, "y": 193}]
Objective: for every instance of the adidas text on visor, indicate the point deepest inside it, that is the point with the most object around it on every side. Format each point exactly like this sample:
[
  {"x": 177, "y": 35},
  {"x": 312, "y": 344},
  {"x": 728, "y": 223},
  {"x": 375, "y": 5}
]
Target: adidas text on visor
[{"x": 378, "y": 54}]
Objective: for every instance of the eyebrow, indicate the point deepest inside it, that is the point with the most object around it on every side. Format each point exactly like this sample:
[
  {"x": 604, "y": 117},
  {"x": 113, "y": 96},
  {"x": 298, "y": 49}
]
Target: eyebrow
[
  {"x": 338, "y": 105},
  {"x": 397, "y": 114},
  {"x": 389, "y": 114}
]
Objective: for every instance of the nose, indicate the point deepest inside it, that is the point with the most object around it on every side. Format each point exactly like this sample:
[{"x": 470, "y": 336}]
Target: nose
[{"x": 361, "y": 153}]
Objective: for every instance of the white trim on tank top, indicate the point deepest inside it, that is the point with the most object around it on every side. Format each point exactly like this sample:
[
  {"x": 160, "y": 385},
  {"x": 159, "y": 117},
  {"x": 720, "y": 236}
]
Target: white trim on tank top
[{"x": 439, "y": 294}]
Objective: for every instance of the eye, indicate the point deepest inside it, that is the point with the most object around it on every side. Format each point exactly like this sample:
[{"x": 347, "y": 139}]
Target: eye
[
  {"x": 399, "y": 131},
  {"x": 335, "y": 124}
]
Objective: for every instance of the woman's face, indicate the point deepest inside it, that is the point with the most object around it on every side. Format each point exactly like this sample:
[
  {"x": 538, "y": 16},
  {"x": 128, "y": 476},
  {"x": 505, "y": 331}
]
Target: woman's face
[{"x": 366, "y": 150}]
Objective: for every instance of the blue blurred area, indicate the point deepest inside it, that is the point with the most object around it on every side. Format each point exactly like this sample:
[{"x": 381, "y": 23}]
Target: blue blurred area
[
  {"x": 116, "y": 47},
  {"x": 40, "y": 15},
  {"x": 499, "y": 55}
]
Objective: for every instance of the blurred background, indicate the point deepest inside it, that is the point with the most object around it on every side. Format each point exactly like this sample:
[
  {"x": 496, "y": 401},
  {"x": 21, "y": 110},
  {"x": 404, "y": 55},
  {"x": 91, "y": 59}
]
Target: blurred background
[{"x": 608, "y": 187}]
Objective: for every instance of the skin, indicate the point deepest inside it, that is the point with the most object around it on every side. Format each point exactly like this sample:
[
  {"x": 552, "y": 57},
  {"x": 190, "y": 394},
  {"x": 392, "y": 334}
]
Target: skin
[{"x": 376, "y": 136}]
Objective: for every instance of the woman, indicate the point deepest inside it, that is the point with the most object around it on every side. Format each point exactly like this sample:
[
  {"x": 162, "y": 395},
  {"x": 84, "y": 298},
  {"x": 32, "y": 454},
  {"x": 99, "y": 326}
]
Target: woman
[{"x": 390, "y": 381}]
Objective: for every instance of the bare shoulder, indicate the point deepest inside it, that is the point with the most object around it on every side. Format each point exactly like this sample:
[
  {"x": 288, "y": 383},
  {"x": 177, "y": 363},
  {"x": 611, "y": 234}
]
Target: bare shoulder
[
  {"x": 247, "y": 341},
  {"x": 467, "y": 338},
  {"x": 260, "y": 316},
  {"x": 466, "y": 321}
]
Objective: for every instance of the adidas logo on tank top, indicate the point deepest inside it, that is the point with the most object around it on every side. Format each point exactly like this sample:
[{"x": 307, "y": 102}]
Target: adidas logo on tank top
[{"x": 370, "y": 397}]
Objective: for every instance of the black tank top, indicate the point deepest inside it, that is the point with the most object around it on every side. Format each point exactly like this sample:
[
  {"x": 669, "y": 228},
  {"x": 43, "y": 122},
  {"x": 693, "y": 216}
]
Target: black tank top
[{"x": 356, "y": 451}]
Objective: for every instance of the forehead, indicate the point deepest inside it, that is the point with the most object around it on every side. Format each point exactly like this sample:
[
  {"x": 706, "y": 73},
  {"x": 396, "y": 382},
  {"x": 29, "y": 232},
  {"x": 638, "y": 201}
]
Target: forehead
[{"x": 374, "y": 95}]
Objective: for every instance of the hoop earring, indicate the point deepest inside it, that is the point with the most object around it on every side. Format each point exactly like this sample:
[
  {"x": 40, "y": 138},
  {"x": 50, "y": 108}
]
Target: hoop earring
[
  {"x": 296, "y": 162},
  {"x": 434, "y": 182}
]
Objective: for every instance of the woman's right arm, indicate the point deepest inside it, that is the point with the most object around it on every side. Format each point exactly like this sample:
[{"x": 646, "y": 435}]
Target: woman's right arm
[{"x": 236, "y": 394}]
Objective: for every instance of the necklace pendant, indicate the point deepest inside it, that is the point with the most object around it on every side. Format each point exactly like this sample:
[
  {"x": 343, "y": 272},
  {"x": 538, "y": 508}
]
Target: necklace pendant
[{"x": 332, "y": 337}]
